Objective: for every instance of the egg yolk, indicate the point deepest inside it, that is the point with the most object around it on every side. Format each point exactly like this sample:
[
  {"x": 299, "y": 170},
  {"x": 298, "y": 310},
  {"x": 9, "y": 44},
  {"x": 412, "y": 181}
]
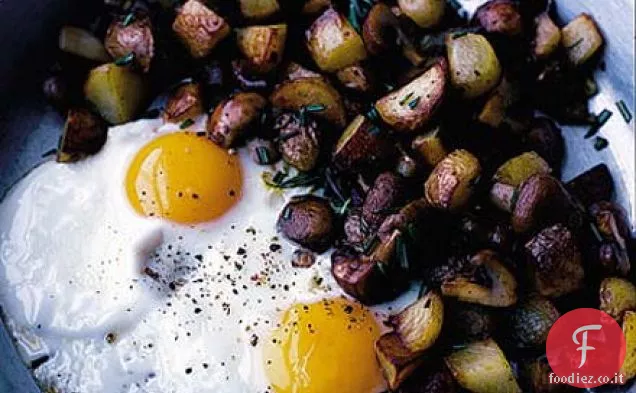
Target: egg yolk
[
  {"x": 184, "y": 178},
  {"x": 326, "y": 346}
]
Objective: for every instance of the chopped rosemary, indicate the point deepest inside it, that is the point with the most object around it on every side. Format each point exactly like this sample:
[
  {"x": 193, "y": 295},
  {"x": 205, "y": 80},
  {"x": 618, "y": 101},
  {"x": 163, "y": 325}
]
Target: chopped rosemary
[
  {"x": 186, "y": 123},
  {"x": 624, "y": 110},
  {"x": 414, "y": 102},
  {"x": 406, "y": 99},
  {"x": 459, "y": 35},
  {"x": 263, "y": 155},
  {"x": 600, "y": 143},
  {"x": 281, "y": 180},
  {"x": 373, "y": 115},
  {"x": 370, "y": 243},
  {"x": 601, "y": 119},
  {"x": 130, "y": 18},
  {"x": 358, "y": 9},
  {"x": 314, "y": 108},
  {"x": 575, "y": 44},
  {"x": 341, "y": 209},
  {"x": 125, "y": 60}
]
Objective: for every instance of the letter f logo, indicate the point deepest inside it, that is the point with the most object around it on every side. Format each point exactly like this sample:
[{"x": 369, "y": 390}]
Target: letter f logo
[{"x": 584, "y": 347}]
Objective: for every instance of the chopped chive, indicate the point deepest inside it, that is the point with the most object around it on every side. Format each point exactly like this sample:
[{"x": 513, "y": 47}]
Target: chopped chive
[
  {"x": 129, "y": 19},
  {"x": 374, "y": 130},
  {"x": 314, "y": 108},
  {"x": 370, "y": 243},
  {"x": 186, "y": 123},
  {"x": 600, "y": 143},
  {"x": 125, "y": 60},
  {"x": 405, "y": 99},
  {"x": 279, "y": 177},
  {"x": 263, "y": 155},
  {"x": 459, "y": 35},
  {"x": 575, "y": 44},
  {"x": 287, "y": 213},
  {"x": 622, "y": 108},
  {"x": 373, "y": 115},
  {"x": 601, "y": 119},
  {"x": 414, "y": 102},
  {"x": 280, "y": 180},
  {"x": 342, "y": 209}
]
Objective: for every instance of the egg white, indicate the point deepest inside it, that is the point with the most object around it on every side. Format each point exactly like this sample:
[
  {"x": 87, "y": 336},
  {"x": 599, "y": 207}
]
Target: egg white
[{"x": 73, "y": 287}]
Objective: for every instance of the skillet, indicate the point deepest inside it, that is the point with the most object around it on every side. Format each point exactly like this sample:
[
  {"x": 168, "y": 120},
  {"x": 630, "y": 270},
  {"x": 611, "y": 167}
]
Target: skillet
[{"x": 29, "y": 127}]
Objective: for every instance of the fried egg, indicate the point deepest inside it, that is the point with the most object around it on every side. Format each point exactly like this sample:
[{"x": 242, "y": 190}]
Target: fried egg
[{"x": 155, "y": 266}]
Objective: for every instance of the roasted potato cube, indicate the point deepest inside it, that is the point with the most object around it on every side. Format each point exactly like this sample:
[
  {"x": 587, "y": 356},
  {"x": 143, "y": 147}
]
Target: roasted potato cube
[
  {"x": 295, "y": 71},
  {"x": 450, "y": 184},
  {"x": 361, "y": 144},
  {"x": 420, "y": 324},
  {"x": 410, "y": 107},
  {"x": 333, "y": 42},
  {"x": 517, "y": 169},
  {"x": 481, "y": 367},
  {"x": 259, "y": 9},
  {"x": 357, "y": 78},
  {"x": 312, "y": 7},
  {"x": 117, "y": 92},
  {"x": 82, "y": 43},
  {"x": 299, "y": 93},
  {"x": 84, "y": 134},
  {"x": 396, "y": 360},
  {"x": 474, "y": 66},
  {"x": 425, "y": 13},
  {"x": 495, "y": 110},
  {"x": 430, "y": 148},
  {"x": 262, "y": 46},
  {"x": 499, "y": 16},
  {"x": 233, "y": 116},
  {"x": 185, "y": 103},
  {"x": 546, "y": 139},
  {"x": 612, "y": 224},
  {"x": 617, "y": 296},
  {"x": 628, "y": 369},
  {"x": 537, "y": 373},
  {"x": 554, "y": 261},
  {"x": 308, "y": 220},
  {"x": 489, "y": 283},
  {"x": 200, "y": 28},
  {"x": 594, "y": 185},
  {"x": 468, "y": 322},
  {"x": 136, "y": 37},
  {"x": 386, "y": 193},
  {"x": 547, "y": 36},
  {"x": 298, "y": 141},
  {"x": 581, "y": 39},
  {"x": 530, "y": 322}
]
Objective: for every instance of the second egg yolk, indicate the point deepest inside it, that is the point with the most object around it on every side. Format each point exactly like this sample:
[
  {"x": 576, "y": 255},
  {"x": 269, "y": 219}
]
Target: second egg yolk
[
  {"x": 184, "y": 178},
  {"x": 322, "y": 347}
]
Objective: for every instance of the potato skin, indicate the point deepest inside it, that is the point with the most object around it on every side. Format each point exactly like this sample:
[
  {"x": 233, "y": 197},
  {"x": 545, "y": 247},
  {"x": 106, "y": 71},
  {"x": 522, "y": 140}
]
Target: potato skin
[
  {"x": 334, "y": 43},
  {"x": 298, "y": 141},
  {"x": 232, "y": 116},
  {"x": 581, "y": 39},
  {"x": 258, "y": 9},
  {"x": 117, "y": 92},
  {"x": 617, "y": 295},
  {"x": 397, "y": 361},
  {"x": 409, "y": 108},
  {"x": 425, "y": 13},
  {"x": 134, "y": 38},
  {"x": 362, "y": 144},
  {"x": 420, "y": 324},
  {"x": 357, "y": 78},
  {"x": 200, "y": 28},
  {"x": 84, "y": 133},
  {"x": 298, "y": 93},
  {"x": 308, "y": 221},
  {"x": 547, "y": 36},
  {"x": 387, "y": 192},
  {"x": 450, "y": 184},
  {"x": 429, "y": 148},
  {"x": 185, "y": 103},
  {"x": 518, "y": 169},
  {"x": 530, "y": 322},
  {"x": 474, "y": 66},
  {"x": 499, "y": 16},
  {"x": 262, "y": 46},
  {"x": 379, "y": 30}
]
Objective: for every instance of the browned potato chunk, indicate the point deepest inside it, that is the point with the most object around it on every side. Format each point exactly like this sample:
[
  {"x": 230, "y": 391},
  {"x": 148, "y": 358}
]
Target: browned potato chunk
[
  {"x": 420, "y": 324},
  {"x": 312, "y": 7},
  {"x": 628, "y": 369},
  {"x": 357, "y": 78},
  {"x": 82, "y": 43},
  {"x": 84, "y": 133},
  {"x": 518, "y": 169},
  {"x": 581, "y": 39},
  {"x": 537, "y": 373},
  {"x": 232, "y": 117},
  {"x": 499, "y": 16},
  {"x": 362, "y": 143},
  {"x": 200, "y": 28},
  {"x": 259, "y": 9},
  {"x": 262, "y": 46},
  {"x": 547, "y": 36},
  {"x": 474, "y": 66},
  {"x": 450, "y": 184},
  {"x": 555, "y": 262},
  {"x": 299, "y": 93},
  {"x": 294, "y": 71},
  {"x": 481, "y": 367},
  {"x": 117, "y": 92},
  {"x": 617, "y": 296},
  {"x": 136, "y": 37},
  {"x": 298, "y": 141},
  {"x": 430, "y": 148},
  {"x": 334, "y": 43},
  {"x": 530, "y": 322},
  {"x": 386, "y": 193},
  {"x": 396, "y": 360},
  {"x": 494, "y": 112},
  {"x": 426, "y": 13},
  {"x": 185, "y": 103},
  {"x": 308, "y": 220},
  {"x": 410, "y": 107},
  {"x": 489, "y": 283}
]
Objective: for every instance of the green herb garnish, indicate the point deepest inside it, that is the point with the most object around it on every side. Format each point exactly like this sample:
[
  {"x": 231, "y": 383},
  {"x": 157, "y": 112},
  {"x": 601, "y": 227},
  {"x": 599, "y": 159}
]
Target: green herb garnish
[
  {"x": 575, "y": 44},
  {"x": 459, "y": 35},
  {"x": 263, "y": 155},
  {"x": 125, "y": 60},
  {"x": 406, "y": 99},
  {"x": 591, "y": 88},
  {"x": 186, "y": 123},
  {"x": 130, "y": 18},
  {"x": 402, "y": 253},
  {"x": 314, "y": 108},
  {"x": 601, "y": 119},
  {"x": 373, "y": 115},
  {"x": 281, "y": 180},
  {"x": 413, "y": 103},
  {"x": 343, "y": 208},
  {"x": 370, "y": 244},
  {"x": 358, "y": 10},
  {"x": 600, "y": 143},
  {"x": 622, "y": 108}
]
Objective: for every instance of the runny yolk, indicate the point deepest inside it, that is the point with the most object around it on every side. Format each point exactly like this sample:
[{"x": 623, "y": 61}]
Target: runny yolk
[
  {"x": 322, "y": 347},
  {"x": 184, "y": 178}
]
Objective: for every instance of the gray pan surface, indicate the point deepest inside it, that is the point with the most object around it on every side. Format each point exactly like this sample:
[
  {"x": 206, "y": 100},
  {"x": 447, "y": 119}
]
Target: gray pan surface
[{"x": 29, "y": 128}]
